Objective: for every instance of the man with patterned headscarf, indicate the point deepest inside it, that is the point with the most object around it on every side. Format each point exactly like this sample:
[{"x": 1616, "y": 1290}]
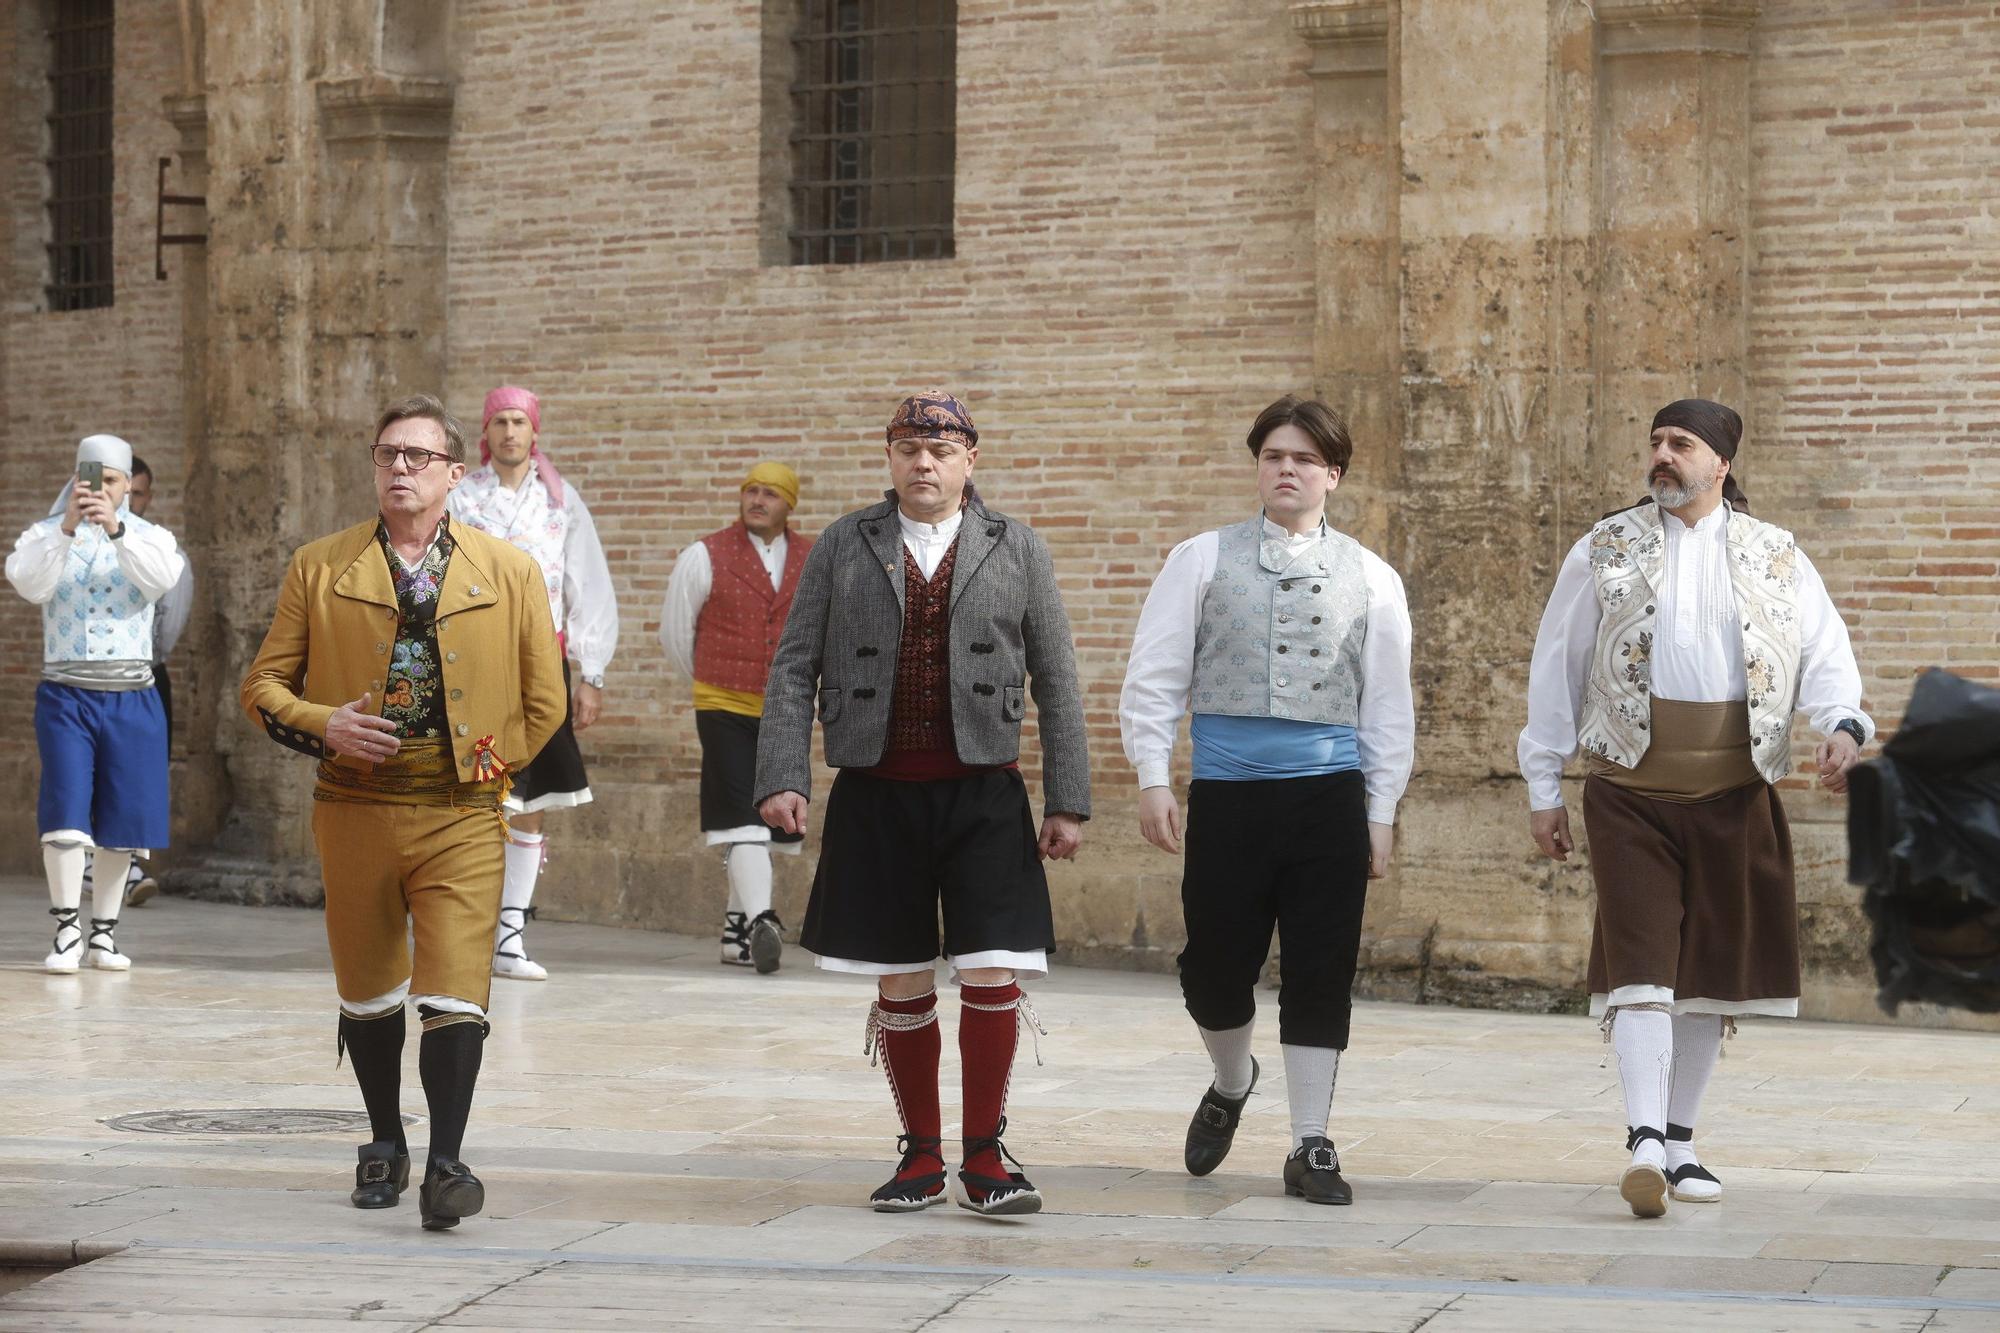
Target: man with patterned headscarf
[
  {"x": 97, "y": 570},
  {"x": 1681, "y": 637},
  {"x": 726, "y": 606},
  {"x": 517, "y": 495},
  {"x": 920, "y": 625}
]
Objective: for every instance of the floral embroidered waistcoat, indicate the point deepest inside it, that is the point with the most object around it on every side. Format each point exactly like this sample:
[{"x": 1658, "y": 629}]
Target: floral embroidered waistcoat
[
  {"x": 97, "y": 614},
  {"x": 1628, "y": 554},
  {"x": 537, "y": 525},
  {"x": 1281, "y": 632}
]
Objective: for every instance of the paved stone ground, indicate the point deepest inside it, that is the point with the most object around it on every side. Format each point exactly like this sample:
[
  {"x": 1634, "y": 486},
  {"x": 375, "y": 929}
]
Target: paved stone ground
[{"x": 668, "y": 1143}]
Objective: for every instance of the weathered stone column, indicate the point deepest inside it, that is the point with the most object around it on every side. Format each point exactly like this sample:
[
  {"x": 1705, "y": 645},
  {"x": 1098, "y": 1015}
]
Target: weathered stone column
[
  {"x": 1453, "y": 163},
  {"x": 326, "y": 293},
  {"x": 1355, "y": 194},
  {"x": 201, "y": 784},
  {"x": 1674, "y": 211}
]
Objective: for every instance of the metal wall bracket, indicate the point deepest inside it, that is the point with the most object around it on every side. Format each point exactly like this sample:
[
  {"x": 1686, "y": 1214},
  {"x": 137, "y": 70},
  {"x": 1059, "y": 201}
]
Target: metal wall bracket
[{"x": 161, "y": 237}]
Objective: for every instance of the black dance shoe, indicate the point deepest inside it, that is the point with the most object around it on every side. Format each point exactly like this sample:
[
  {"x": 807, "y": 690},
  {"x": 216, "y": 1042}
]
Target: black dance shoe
[
  {"x": 914, "y": 1193},
  {"x": 1312, "y": 1173},
  {"x": 384, "y": 1173},
  {"x": 450, "y": 1191},
  {"x": 1010, "y": 1195},
  {"x": 1213, "y": 1128}
]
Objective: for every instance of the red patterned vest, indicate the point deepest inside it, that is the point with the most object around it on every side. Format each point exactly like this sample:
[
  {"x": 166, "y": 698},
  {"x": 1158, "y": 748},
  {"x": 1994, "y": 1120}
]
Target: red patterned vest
[
  {"x": 921, "y": 746},
  {"x": 736, "y": 634}
]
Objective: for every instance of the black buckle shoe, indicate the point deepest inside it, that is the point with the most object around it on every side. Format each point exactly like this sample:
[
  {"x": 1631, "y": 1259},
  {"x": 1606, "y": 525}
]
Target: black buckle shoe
[
  {"x": 1312, "y": 1173},
  {"x": 1213, "y": 1128},
  {"x": 910, "y": 1194},
  {"x": 767, "y": 944},
  {"x": 384, "y": 1173},
  {"x": 996, "y": 1196},
  {"x": 450, "y": 1191}
]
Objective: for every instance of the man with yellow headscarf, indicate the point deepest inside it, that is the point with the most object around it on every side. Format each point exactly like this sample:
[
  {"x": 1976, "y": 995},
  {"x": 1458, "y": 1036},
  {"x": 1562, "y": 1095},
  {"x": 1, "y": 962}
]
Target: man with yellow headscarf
[{"x": 726, "y": 606}]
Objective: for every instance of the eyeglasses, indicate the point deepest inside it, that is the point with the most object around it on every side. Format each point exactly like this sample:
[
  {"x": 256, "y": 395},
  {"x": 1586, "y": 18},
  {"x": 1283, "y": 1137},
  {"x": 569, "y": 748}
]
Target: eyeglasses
[{"x": 416, "y": 460}]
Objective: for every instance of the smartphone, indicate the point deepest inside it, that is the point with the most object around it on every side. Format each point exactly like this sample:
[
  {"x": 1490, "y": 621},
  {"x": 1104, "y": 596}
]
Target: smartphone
[{"x": 90, "y": 476}]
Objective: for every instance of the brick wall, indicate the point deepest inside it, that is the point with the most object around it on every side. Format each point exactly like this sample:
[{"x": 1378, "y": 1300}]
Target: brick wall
[
  {"x": 1133, "y": 281},
  {"x": 69, "y": 374},
  {"x": 1874, "y": 329}
]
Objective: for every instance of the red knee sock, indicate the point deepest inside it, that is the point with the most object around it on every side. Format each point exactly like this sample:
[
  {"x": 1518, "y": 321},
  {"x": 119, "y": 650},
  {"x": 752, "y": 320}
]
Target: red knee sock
[
  {"x": 910, "y": 1057},
  {"x": 987, "y": 1033}
]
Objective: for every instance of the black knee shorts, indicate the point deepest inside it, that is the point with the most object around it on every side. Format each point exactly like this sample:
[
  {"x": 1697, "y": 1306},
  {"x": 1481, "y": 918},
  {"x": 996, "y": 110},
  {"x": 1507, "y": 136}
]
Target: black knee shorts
[
  {"x": 894, "y": 856},
  {"x": 1290, "y": 853}
]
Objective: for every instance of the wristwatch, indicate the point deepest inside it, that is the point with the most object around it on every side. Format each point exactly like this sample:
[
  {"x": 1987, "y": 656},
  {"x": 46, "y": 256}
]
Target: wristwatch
[
  {"x": 1852, "y": 728},
  {"x": 120, "y": 532},
  {"x": 595, "y": 682}
]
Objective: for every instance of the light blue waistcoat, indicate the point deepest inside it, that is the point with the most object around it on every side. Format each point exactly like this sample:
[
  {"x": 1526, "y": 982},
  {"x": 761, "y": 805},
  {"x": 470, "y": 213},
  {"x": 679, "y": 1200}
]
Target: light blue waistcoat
[
  {"x": 97, "y": 614},
  {"x": 1281, "y": 633}
]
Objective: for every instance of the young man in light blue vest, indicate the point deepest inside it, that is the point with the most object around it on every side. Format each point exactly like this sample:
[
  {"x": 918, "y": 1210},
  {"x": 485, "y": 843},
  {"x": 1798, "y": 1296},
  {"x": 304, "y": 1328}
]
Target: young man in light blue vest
[
  {"x": 97, "y": 569},
  {"x": 1290, "y": 644}
]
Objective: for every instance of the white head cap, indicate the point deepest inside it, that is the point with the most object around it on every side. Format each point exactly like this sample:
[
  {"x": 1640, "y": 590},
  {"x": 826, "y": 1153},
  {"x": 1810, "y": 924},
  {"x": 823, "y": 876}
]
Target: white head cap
[{"x": 106, "y": 449}]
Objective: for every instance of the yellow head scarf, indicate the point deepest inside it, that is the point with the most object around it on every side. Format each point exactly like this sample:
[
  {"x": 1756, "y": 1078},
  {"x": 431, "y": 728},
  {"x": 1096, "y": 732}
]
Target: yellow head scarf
[{"x": 778, "y": 477}]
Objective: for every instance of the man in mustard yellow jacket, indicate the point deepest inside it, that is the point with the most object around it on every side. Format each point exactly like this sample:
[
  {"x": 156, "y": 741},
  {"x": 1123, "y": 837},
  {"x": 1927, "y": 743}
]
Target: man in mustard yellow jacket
[{"x": 416, "y": 661}]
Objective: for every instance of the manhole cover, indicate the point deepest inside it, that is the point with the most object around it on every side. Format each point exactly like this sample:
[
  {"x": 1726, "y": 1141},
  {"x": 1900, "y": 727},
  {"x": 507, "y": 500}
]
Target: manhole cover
[{"x": 252, "y": 1120}]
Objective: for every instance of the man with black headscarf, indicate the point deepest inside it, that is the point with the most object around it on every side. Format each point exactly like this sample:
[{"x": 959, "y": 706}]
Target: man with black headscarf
[{"x": 1681, "y": 637}]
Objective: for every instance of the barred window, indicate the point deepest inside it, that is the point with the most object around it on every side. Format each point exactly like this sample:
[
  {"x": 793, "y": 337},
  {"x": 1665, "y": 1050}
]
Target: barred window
[
  {"x": 874, "y": 107},
  {"x": 79, "y": 154}
]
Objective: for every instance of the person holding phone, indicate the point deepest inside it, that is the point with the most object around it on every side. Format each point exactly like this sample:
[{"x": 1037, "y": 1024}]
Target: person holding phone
[
  {"x": 1289, "y": 642},
  {"x": 414, "y": 658},
  {"x": 97, "y": 570},
  {"x": 517, "y": 495}
]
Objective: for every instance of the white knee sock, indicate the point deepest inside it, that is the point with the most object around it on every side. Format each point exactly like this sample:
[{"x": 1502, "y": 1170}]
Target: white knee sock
[
  {"x": 107, "y": 886},
  {"x": 1697, "y": 1043},
  {"x": 63, "y": 863},
  {"x": 524, "y": 863},
  {"x": 750, "y": 878},
  {"x": 1644, "y": 1039},
  {"x": 1310, "y": 1072},
  {"x": 1229, "y": 1049}
]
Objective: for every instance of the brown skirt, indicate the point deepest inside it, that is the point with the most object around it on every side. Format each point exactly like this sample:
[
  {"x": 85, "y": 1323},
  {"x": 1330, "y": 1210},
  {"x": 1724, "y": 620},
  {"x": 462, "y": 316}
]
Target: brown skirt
[{"x": 1694, "y": 897}]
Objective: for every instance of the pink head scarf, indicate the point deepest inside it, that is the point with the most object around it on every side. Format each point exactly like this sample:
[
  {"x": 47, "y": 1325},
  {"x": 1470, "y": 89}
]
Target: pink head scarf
[{"x": 509, "y": 397}]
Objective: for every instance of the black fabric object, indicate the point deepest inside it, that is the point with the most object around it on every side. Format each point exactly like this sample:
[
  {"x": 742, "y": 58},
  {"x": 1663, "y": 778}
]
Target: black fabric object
[
  {"x": 558, "y": 769},
  {"x": 894, "y": 856},
  {"x": 375, "y": 1049},
  {"x": 728, "y": 771},
  {"x": 448, "y": 1063},
  {"x": 1719, "y": 427},
  {"x": 1923, "y": 836},
  {"x": 163, "y": 685},
  {"x": 1289, "y": 853}
]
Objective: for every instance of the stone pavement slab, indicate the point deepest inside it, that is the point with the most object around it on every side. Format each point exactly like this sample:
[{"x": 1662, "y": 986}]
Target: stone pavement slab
[{"x": 672, "y": 1144}]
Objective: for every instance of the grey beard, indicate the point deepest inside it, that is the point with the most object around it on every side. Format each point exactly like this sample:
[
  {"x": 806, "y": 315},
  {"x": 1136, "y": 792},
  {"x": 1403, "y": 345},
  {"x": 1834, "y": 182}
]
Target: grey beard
[{"x": 1669, "y": 496}]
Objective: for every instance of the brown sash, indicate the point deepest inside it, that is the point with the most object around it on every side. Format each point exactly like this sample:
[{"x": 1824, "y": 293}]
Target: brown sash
[{"x": 1698, "y": 752}]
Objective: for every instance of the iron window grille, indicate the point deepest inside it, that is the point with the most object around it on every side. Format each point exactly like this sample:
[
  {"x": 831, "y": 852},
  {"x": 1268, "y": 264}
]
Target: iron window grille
[
  {"x": 874, "y": 102},
  {"x": 79, "y": 160}
]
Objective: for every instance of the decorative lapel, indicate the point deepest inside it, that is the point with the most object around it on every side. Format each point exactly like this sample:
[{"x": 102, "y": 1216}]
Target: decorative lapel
[
  {"x": 366, "y": 577},
  {"x": 978, "y": 534},
  {"x": 884, "y": 535}
]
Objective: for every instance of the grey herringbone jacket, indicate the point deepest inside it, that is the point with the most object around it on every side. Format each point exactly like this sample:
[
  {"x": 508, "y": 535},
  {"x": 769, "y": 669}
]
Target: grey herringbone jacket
[{"x": 1009, "y": 635}]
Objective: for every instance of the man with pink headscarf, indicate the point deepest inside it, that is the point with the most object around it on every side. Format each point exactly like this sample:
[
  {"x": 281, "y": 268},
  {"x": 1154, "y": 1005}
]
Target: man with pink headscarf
[{"x": 516, "y": 494}]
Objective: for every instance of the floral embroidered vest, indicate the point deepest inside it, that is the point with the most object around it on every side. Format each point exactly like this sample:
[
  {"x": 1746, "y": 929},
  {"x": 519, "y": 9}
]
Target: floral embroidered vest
[
  {"x": 536, "y": 525},
  {"x": 1281, "y": 632},
  {"x": 97, "y": 614},
  {"x": 1628, "y": 553}
]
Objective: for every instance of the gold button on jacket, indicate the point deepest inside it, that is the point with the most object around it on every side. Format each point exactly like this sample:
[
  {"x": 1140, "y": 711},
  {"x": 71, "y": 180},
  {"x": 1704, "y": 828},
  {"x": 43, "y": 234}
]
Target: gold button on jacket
[{"x": 316, "y": 656}]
